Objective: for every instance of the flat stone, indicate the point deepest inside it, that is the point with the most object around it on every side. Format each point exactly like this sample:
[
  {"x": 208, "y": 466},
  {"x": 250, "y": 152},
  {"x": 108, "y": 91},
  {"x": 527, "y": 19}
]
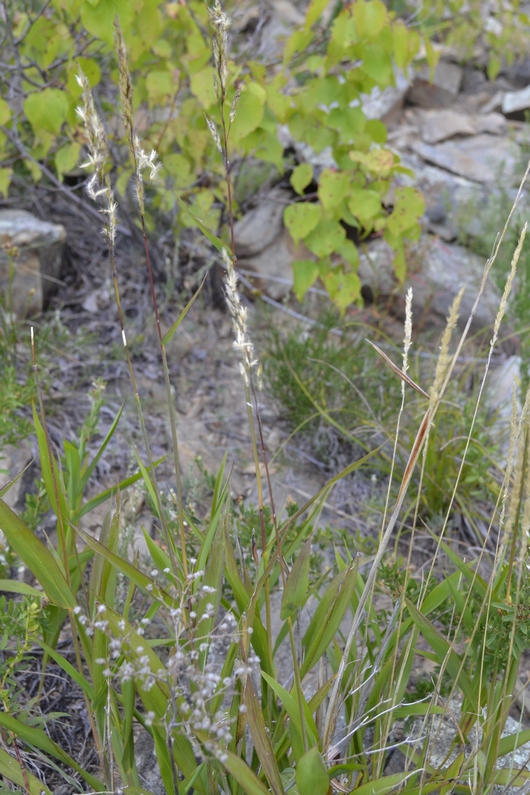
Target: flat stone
[
  {"x": 516, "y": 103},
  {"x": 438, "y": 125},
  {"x": 481, "y": 158},
  {"x": 13, "y": 459},
  {"x": 272, "y": 269},
  {"x": 37, "y": 248},
  {"x": 262, "y": 225},
  {"x": 492, "y": 123},
  {"x": 386, "y": 105},
  {"x": 441, "y": 92},
  {"x": 437, "y": 272}
]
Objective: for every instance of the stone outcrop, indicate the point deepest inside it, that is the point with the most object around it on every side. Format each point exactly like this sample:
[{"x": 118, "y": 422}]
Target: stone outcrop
[{"x": 31, "y": 253}]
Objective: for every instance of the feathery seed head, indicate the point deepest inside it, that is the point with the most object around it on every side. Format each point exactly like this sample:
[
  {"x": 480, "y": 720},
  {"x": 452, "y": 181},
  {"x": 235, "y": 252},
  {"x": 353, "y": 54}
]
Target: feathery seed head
[{"x": 220, "y": 24}]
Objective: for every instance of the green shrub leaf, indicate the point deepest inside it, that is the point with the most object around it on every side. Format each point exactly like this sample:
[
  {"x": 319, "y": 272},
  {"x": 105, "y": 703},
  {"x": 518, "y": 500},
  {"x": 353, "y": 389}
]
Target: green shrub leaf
[
  {"x": 301, "y": 218},
  {"x": 46, "y": 110}
]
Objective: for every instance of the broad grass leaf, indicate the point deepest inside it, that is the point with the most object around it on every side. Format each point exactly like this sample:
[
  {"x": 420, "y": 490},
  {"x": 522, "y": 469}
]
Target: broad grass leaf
[
  {"x": 245, "y": 777},
  {"x": 104, "y": 495},
  {"x": 385, "y": 784},
  {"x": 36, "y": 557},
  {"x": 141, "y": 580},
  {"x": 50, "y": 470},
  {"x": 445, "y": 654},
  {"x": 301, "y": 218},
  {"x": 46, "y": 110},
  {"x": 10, "y": 770},
  {"x": 39, "y": 739},
  {"x": 168, "y": 335},
  {"x": 508, "y": 745},
  {"x": 327, "y": 618},
  {"x": 296, "y": 587},
  {"x": 311, "y": 773},
  {"x": 15, "y": 586},
  {"x": 69, "y": 669},
  {"x": 261, "y": 739},
  {"x": 292, "y": 707}
]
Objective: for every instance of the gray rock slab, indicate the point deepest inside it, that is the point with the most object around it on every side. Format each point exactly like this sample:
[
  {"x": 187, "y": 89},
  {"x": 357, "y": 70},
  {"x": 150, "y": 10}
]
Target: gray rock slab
[
  {"x": 386, "y": 105},
  {"x": 437, "y": 272},
  {"x": 516, "y": 103},
  {"x": 37, "y": 249},
  {"x": 481, "y": 158},
  {"x": 438, "y": 125},
  {"x": 271, "y": 268},
  {"x": 262, "y": 225},
  {"x": 441, "y": 91}
]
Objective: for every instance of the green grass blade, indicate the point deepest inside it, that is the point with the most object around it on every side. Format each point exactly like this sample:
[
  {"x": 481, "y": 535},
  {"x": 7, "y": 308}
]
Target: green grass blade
[
  {"x": 93, "y": 464},
  {"x": 39, "y": 739},
  {"x": 445, "y": 654},
  {"x": 167, "y": 336},
  {"x": 10, "y": 769},
  {"x": 245, "y": 777},
  {"x": 15, "y": 586},
  {"x": 104, "y": 495},
  {"x": 261, "y": 739},
  {"x": 36, "y": 557},
  {"x": 140, "y": 579}
]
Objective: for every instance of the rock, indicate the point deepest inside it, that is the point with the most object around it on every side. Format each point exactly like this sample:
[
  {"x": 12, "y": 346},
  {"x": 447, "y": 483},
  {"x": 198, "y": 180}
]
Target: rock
[
  {"x": 305, "y": 153},
  {"x": 12, "y": 462},
  {"x": 386, "y": 105},
  {"x": 272, "y": 266},
  {"x": 492, "y": 123},
  {"x": 515, "y": 104},
  {"x": 438, "y": 125},
  {"x": 437, "y": 272},
  {"x": 518, "y": 73},
  {"x": 262, "y": 225},
  {"x": 498, "y": 396},
  {"x": 494, "y": 103},
  {"x": 450, "y": 200},
  {"x": 481, "y": 158},
  {"x": 37, "y": 257},
  {"x": 441, "y": 92}
]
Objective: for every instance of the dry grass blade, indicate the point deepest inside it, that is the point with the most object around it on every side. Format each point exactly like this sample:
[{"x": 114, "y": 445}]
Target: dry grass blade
[{"x": 404, "y": 377}]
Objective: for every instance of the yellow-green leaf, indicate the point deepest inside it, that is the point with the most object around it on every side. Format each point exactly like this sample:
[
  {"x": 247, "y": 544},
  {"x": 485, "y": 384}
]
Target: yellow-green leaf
[
  {"x": 46, "y": 110},
  {"x": 305, "y": 274},
  {"x": 37, "y": 558},
  {"x": 301, "y": 218}
]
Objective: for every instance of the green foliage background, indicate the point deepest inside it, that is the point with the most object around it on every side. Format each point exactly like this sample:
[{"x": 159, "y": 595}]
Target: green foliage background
[{"x": 316, "y": 91}]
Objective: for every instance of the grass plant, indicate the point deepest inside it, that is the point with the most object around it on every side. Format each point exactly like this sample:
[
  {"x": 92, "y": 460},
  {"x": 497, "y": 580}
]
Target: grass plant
[{"x": 248, "y": 674}]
